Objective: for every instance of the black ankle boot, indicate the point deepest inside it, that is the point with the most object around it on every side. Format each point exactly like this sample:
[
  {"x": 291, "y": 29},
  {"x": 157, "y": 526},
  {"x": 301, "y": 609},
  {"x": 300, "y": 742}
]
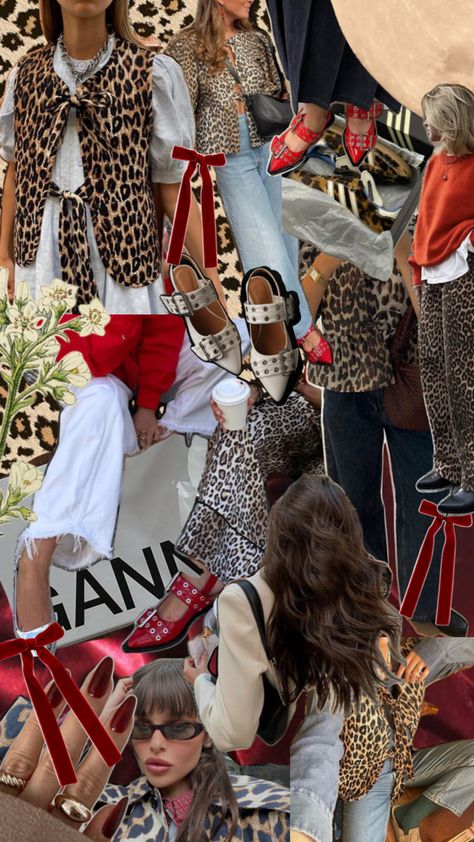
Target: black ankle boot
[{"x": 460, "y": 502}]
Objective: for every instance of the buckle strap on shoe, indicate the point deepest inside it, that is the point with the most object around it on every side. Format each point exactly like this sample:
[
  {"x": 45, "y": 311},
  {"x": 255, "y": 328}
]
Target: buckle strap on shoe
[
  {"x": 216, "y": 345},
  {"x": 186, "y": 303},
  {"x": 189, "y": 593},
  {"x": 280, "y": 310},
  {"x": 281, "y": 363}
]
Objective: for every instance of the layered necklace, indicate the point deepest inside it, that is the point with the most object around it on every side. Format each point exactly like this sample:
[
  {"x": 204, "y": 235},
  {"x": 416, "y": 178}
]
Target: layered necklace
[{"x": 79, "y": 74}]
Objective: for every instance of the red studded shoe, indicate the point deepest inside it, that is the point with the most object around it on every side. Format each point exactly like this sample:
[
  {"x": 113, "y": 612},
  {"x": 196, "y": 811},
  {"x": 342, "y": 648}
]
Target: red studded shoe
[
  {"x": 153, "y": 633},
  {"x": 282, "y": 159},
  {"x": 357, "y": 146},
  {"x": 321, "y": 354}
]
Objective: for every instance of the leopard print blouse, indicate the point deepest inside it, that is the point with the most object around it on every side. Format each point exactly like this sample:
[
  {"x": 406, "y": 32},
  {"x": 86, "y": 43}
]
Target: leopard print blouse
[
  {"x": 213, "y": 96},
  {"x": 359, "y": 318},
  {"x": 115, "y": 120}
]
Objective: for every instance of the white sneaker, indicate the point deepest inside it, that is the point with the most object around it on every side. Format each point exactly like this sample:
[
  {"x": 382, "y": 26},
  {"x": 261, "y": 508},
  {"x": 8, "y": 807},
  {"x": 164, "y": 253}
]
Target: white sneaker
[{"x": 214, "y": 337}]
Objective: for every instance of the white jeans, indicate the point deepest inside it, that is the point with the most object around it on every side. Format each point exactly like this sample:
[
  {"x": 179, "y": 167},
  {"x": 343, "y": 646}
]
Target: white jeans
[{"x": 80, "y": 495}]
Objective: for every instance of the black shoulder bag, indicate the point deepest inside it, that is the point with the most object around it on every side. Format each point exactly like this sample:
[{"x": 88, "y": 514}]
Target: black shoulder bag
[
  {"x": 272, "y": 114},
  {"x": 274, "y": 717}
]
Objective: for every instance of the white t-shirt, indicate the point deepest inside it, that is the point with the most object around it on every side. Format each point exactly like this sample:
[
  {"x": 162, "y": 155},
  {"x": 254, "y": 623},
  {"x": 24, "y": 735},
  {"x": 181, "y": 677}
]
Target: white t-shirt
[{"x": 454, "y": 267}]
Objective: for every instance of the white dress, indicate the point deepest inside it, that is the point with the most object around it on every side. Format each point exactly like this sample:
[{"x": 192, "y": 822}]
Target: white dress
[{"x": 173, "y": 123}]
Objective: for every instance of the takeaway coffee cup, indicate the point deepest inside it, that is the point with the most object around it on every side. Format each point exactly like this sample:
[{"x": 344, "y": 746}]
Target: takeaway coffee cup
[{"x": 231, "y": 396}]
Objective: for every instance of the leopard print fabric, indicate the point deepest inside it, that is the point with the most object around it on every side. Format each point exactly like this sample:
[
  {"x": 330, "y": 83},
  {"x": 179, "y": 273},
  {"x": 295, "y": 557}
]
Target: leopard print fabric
[
  {"x": 227, "y": 527},
  {"x": 359, "y": 317},
  {"x": 341, "y": 188},
  {"x": 20, "y": 32},
  {"x": 114, "y": 109},
  {"x": 263, "y": 813},
  {"x": 213, "y": 96},
  {"x": 33, "y": 434},
  {"x": 367, "y": 733}
]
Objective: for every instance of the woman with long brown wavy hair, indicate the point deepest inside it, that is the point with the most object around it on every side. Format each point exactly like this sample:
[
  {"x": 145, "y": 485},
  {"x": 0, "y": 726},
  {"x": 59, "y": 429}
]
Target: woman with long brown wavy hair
[
  {"x": 219, "y": 47},
  {"x": 324, "y": 606},
  {"x": 87, "y": 127}
]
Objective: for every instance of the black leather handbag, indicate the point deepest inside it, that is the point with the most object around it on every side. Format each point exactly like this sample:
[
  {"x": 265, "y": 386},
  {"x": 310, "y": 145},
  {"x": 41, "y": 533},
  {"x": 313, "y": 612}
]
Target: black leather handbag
[
  {"x": 274, "y": 719},
  {"x": 272, "y": 114}
]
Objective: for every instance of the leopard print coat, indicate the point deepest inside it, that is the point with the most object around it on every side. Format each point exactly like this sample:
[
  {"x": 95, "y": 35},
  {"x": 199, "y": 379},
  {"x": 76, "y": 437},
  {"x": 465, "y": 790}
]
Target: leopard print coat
[
  {"x": 213, "y": 96},
  {"x": 263, "y": 813},
  {"x": 367, "y": 734},
  {"x": 114, "y": 109}
]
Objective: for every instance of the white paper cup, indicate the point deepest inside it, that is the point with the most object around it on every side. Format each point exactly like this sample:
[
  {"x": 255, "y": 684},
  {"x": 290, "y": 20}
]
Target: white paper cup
[{"x": 231, "y": 396}]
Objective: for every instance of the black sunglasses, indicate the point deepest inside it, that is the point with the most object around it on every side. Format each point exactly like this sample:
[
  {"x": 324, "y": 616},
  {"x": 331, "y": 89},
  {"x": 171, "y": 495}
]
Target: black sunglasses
[{"x": 170, "y": 730}]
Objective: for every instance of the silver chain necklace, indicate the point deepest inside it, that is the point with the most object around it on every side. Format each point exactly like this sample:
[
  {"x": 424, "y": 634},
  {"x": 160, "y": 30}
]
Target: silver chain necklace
[{"x": 90, "y": 67}]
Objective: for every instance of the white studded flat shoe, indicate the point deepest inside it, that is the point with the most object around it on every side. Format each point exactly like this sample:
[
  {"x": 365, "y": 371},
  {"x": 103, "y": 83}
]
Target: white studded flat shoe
[
  {"x": 270, "y": 311},
  {"x": 214, "y": 337}
]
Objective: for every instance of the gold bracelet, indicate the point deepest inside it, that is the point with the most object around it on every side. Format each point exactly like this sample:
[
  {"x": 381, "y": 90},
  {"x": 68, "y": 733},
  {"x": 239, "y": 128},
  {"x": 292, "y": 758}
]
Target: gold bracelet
[{"x": 317, "y": 278}]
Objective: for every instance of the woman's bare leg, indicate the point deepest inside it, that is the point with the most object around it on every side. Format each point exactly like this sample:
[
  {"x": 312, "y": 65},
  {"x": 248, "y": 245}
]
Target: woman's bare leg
[
  {"x": 315, "y": 119},
  {"x": 33, "y": 603}
]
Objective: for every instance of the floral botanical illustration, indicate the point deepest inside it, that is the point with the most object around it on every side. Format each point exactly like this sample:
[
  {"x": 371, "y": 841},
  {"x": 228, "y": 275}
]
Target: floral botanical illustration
[{"x": 30, "y": 332}]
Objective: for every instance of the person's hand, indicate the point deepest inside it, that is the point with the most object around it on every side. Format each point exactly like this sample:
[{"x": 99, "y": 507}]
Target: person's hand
[
  {"x": 415, "y": 670},
  {"x": 8, "y": 264},
  {"x": 161, "y": 433},
  {"x": 217, "y": 411},
  {"x": 311, "y": 393},
  {"x": 145, "y": 425},
  {"x": 191, "y": 671},
  {"x": 26, "y": 760}
]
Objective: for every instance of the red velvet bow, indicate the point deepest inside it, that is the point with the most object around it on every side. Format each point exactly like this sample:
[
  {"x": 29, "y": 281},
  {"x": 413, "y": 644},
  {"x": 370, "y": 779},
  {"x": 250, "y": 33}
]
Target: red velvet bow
[
  {"x": 70, "y": 692},
  {"x": 183, "y": 207},
  {"x": 422, "y": 564}
]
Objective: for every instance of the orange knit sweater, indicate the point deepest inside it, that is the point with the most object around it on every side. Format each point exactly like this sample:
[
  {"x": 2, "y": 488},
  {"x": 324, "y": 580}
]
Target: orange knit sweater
[{"x": 446, "y": 212}]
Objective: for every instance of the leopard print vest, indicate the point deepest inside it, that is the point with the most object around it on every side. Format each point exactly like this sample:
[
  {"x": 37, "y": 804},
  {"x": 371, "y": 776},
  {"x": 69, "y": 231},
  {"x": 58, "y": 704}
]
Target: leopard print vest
[
  {"x": 366, "y": 737},
  {"x": 114, "y": 119}
]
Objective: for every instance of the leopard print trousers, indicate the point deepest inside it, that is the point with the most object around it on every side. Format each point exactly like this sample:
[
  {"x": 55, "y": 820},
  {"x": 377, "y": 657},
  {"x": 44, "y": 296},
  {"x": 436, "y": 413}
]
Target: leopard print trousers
[{"x": 446, "y": 349}]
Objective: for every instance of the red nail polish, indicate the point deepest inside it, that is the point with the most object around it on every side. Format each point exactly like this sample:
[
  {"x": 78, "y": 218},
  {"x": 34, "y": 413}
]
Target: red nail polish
[
  {"x": 123, "y": 714},
  {"x": 54, "y": 695},
  {"x": 114, "y": 819},
  {"x": 100, "y": 680}
]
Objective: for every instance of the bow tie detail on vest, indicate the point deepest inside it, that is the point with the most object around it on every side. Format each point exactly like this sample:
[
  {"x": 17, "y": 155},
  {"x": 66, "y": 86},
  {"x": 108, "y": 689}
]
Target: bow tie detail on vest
[
  {"x": 89, "y": 104},
  {"x": 114, "y": 120},
  {"x": 425, "y": 557},
  {"x": 76, "y": 267}
]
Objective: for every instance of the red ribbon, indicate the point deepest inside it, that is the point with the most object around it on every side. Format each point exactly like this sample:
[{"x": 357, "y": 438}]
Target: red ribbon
[
  {"x": 183, "y": 206},
  {"x": 422, "y": 564},
  {"x": 71, "y": 694}
]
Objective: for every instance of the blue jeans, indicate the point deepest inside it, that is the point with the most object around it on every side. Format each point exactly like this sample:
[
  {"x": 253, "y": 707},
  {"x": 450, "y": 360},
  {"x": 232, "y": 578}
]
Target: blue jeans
[
  {"x": 252, "y": 204},
  {"x": 355, "y": 426},
  {"x": 367, "y": 820}
]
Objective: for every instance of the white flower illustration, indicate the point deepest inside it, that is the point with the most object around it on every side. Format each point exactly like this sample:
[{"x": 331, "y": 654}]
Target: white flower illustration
[
  {"x": 58, "y": 294},
  {"x": 24, "y": 478},
  {"x": 23, "y": 320},
  {"x": 95, "y": 318},
  {"x": 72, "y": 370}
]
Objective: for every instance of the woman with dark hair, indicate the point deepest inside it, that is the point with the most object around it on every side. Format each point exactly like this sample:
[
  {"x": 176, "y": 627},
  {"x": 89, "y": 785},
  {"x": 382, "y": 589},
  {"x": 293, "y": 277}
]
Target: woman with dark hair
[
  {"x": 87, "y": 126},
  {"x": 219, "y": 47},
  {"x": 185, "y": 790},
  {"x": 324, "y": 608}
]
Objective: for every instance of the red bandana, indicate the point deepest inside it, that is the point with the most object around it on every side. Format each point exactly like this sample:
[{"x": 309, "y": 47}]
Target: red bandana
[{"x": 176, "y": 809}]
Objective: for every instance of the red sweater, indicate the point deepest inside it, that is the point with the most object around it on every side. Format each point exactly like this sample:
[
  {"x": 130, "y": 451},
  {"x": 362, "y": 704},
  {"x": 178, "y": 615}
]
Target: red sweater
[
  {"x": 446, "y": 212},
  {"x": 142, "y": 351}
]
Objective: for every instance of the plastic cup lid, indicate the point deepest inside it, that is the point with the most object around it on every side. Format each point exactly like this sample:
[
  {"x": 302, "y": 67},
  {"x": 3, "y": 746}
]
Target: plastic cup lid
[{"x": 231, "y": 391}]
